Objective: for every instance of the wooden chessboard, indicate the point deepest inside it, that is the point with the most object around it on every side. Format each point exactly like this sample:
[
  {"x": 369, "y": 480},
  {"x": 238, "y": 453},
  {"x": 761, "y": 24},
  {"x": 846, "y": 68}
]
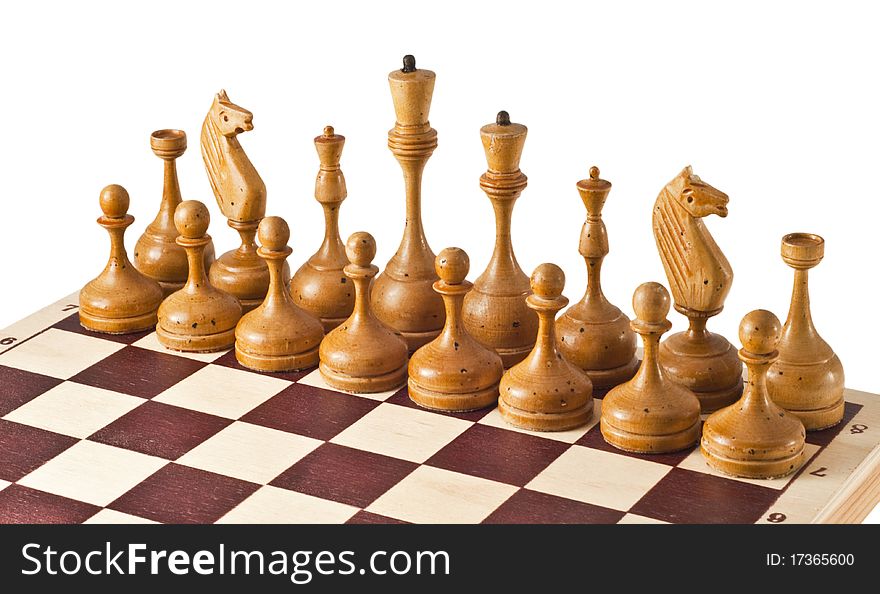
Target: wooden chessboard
[{"x": 106, "y": 429}]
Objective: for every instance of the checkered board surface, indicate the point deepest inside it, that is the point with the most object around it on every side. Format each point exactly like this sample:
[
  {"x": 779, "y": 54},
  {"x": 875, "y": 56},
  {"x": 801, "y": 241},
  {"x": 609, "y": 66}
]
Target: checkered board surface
[{"x": 106, "y": 429}]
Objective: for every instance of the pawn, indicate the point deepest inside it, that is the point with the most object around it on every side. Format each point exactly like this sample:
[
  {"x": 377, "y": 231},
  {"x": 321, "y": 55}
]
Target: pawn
[
  {"x": 362, "y": 354},
  {"x": 651, "y": 414},
  {"x": 544, "y": 392},
  {"x": 198, "y": 318},
  {"x": 121, "y": 299},
  {"x": 754, "y": 437},
  {"x": 454, "y": 372},
  {"x": 278, "y": 335}
]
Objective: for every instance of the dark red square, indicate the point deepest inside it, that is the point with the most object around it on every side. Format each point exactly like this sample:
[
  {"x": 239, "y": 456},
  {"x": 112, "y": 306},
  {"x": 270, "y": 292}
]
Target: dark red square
[
  {"x": 21, "y": 505},
  {"x": 71, "y": 324},
  {"x": 18, "y": 387},
  {"x": 138, "y": 372},
  {"x": 402, "y": 398},
  {"x": 498, "y": 454},
  {"x": 24, "y": 448},
  {"x": 687, "y": 497},
  {"x": 344, "y": 474},
  {"x": 229, "y": 360},
  {"x": 593, "y": 439},
  {"x": 826, "y": 436},
  {"x": 310, "y": 411},
  {"x": 160, "y": 430},
  {"x": 531, "y": 507},
  {"x": 181, "y": 495},
  {"x": 365, "y": 517}
]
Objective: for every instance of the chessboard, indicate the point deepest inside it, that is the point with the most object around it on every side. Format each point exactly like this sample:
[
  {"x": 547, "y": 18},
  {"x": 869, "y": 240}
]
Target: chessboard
[{"x": 98, "y": 428}]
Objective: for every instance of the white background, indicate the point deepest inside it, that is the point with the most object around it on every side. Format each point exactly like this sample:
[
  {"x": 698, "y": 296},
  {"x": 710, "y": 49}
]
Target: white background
[{"x": 774, "y": 103}]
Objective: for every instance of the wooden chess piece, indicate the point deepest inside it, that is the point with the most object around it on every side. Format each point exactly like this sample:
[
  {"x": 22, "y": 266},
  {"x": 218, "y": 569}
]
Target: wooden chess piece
[
  {"x": 319, "y": 286},
  {"x": 241, "y": 195},
  {"x": 156, "y": 253},
  {"x": 700, "y": 278},
  {"x": 594, "y": 334},
  {"x": 121, "y": 299},
  {"x": 754, "y": 437},
  {"x": 495, "y": 311},
  {"x": 544, "y": 392},
  {"x": 651, "y": 414},
  {"x": 199, "y": 318},
  {"x": 362, "y": 354},
  {"x": 454, "y": 372},
  {"x": 278, "y": 335},
  {"x": 403, "y": 298},
  {"x": 807, "y": 379}
]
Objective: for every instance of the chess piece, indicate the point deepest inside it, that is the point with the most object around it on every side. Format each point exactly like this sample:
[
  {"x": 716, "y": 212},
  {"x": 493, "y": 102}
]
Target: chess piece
[
  {"x": 199, "y": 318},
  {"x": 277, "y": 335},
  {"x": 454, "y": 372},
  {"x": 594, "y": 334},
  {"x": 754, "y": 437},
  {"x": 699, "y": 278},
  {"x": 241, "y": 195},
  {"x": 495, "y": 311},
  {"x": 403, "y": 298},
  {"x": 121, "y": 299},
  {"x": 362, "y": 354},
  {"x": 156, "y": 253},
  {"x": 651, "y": 414},
  {"x": 319, "y": 286},
  {"x": 807, "y": 379},
  {"x": 544, "y": 392}
]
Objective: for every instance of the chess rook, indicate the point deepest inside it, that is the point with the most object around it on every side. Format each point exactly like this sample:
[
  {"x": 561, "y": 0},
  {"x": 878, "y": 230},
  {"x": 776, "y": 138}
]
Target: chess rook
[
  {"x": 403, "y": 297},
  {"x": 156, "y": 253},
  {"x": 241, "y": 195},
  {"x": 807, "y": 379},
  {"x": 495, "y": 311},
  {"x": 362, "y": 354},
  {"x": 199, "y": 317},
  {"x": 454, "y": 372},
  {"x": 277, "y": 335},
  {"x": 754, "y": 437},
  {"x": 544, "y": 392},
  {"x": 651, "y": 414},
  {"x": 319, "y": 286},
  {"x": 700, "y": 278},
  {"x": 594, "y": 334},
  {"x": 121, "y": 299}
]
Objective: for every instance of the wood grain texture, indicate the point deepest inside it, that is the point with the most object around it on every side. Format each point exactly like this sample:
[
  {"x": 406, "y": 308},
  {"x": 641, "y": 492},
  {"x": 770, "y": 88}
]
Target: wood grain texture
[
  {"x": 593, "y": 333},
  {"x": 807, "y": 380},
  {"x": 495, "y": 311},
  {"x": 700, "y": 278},
  {"x": 454, "y": 372},
  {"x": 754, "y": 437},
  {"x": 120, "y": 300},
  {"x": 403, "y": 298},
  {"x": 156, "y": 253},
  {"x": 319, "y": 286}
]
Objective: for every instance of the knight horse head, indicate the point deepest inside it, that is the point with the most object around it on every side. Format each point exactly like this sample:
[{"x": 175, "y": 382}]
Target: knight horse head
[
  {"x": 238, "y": 188},
  {"x": 698, "y": 272},
  {"x": 697, "y": 197}
]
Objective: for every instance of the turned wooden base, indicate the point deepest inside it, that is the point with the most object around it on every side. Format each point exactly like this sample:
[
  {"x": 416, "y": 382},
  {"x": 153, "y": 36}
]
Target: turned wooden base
[
  {"x": 247, "y": 279},
  {"x": 464, "y": 402},
  {"x": 535, "y": 421},
  {"x": 206, "y": 343},
  {"x": 650, "y": 444},
  {"x": 740, "y": 462},
  {"x": 822, "y": 418},
  {"x": 416, "y": 340},
  {"x": 605, "y": 379},
  {"x": 97, "y": 323},
  {"x": 708, "y": 366},
  {"x": 295, "y": 362},
  {"x": 363, "y": 385}
]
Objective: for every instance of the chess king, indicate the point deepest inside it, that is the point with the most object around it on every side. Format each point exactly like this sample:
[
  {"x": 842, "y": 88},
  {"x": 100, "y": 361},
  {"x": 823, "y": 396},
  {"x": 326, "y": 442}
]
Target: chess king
[{"x": 700, "y": 278}]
